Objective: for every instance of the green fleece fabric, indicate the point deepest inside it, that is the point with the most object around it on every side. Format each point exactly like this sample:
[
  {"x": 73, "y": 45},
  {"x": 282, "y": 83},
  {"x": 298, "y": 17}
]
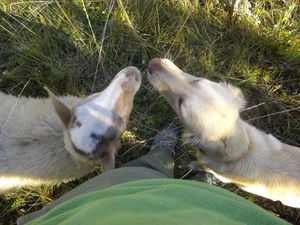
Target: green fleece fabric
[{"x": 158, "y": 202}]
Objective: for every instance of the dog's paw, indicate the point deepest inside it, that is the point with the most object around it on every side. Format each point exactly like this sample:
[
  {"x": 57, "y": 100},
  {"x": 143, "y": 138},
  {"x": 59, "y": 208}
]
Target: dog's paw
[
  {"x": 201, "y": 175},
  {"x": 194, "y": 167},
  {"x": 192, "y": 139}
]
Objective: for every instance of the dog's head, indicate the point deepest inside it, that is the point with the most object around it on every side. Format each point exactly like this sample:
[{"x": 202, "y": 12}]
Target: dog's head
[
  {"x": 95, "y": 123},
  {"x": 208, "y": 109}
]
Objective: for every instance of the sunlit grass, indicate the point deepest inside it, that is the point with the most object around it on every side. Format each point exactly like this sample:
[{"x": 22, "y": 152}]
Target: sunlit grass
[{"x": 76, "y": 47}]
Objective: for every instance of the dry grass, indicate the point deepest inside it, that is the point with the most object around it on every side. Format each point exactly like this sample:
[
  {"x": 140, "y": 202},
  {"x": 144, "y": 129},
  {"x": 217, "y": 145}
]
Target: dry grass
[{"x": 75, "y": 47}]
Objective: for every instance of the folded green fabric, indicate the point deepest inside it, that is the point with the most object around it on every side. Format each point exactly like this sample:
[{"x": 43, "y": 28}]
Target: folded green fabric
[{"x": 158, "y": 202}]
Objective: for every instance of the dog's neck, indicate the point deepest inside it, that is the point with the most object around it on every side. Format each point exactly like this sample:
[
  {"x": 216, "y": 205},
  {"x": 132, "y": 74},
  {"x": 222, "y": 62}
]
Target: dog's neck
[
  {"x": 226, "y": 149},
  {"x": 36, "y": 138},
  {"x": 237, "y": 143}
]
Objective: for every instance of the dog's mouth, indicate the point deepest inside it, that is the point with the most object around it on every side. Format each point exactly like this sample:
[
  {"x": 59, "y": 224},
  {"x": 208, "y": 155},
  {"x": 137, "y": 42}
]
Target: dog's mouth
[
  {"x": 154, "y": 65},
  {"x": 171, "y": 82},
  {"x": 132, "y": 78},
  {"x": 99, "y": 152}
]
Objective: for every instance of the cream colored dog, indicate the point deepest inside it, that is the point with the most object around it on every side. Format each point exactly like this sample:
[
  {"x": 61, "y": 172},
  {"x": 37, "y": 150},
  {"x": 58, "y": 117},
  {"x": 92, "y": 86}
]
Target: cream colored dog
[
  {"x": 228, "y": 146},
  {"x": 54, "y": 140}
]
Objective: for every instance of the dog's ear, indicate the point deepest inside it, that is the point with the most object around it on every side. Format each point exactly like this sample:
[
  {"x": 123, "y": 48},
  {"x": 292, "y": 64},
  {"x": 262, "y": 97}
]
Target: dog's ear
[
  {"x": 237, "y": 93},
  {"x": 63, "y": 111}
]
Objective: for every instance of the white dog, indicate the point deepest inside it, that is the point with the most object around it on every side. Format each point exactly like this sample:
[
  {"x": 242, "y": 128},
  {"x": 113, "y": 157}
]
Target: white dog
[
  {"x": 228, "y": 146},
  {"x": 48, "y": 141}
]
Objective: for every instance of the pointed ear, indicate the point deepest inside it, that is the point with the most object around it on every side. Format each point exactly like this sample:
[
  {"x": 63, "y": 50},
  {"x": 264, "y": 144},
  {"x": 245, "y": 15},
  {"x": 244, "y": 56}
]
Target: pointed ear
[
  {"x": 63, "y": 111},
  {"x": 237, "y": 93}
]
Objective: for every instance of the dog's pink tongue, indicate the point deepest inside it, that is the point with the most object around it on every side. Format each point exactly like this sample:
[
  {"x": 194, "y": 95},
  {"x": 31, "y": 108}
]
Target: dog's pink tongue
[{"x": 153, "y": 64}]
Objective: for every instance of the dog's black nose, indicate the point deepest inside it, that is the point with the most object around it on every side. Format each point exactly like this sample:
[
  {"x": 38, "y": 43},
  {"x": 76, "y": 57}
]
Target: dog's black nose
[{"x": 153, "y": 64}]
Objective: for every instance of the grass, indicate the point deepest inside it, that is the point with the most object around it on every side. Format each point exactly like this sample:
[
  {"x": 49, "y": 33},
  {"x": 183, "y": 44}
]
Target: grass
[{"x": 75, "y": 47}]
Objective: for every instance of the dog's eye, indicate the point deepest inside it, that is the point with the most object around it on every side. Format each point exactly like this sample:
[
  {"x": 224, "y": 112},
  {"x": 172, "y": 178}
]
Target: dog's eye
[
  {"x": 77, "y": 123},
  {"x": 180, "y": 102},
  {"x": 196, "y": 81}
]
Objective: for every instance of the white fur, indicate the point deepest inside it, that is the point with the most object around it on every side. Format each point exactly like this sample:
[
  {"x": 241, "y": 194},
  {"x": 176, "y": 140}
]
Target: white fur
[
  {"x": 96, "y": 114},
  {"x": 228, "y": 146},
  {"x": 90, "y": 117},
  {"x": 32, "y": 147},
  {"x": 36, "y": 148}
]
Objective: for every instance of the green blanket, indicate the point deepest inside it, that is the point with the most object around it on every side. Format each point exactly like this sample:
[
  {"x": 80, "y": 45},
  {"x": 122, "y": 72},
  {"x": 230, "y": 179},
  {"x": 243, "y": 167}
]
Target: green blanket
[{"x": 158, "y": 202}]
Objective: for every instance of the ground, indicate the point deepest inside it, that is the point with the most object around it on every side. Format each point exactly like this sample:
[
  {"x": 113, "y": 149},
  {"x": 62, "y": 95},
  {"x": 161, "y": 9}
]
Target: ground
[{"x": 76, "y": 47}]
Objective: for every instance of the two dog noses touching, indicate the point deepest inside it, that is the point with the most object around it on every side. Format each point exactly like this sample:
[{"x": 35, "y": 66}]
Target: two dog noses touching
[{"x": 74, "y": 134}]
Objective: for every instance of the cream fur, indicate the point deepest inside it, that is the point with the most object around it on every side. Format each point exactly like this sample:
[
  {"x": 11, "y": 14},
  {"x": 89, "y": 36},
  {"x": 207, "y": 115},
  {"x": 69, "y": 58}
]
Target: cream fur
[
  {"x": 229, "y": 147},
  {"x": 32, "y": 146},
  {"x": 42, "y": 144}
]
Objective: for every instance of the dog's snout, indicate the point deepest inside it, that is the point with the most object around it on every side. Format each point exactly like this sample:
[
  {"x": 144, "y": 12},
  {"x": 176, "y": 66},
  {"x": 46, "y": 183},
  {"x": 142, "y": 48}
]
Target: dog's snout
[
  {"x": 133, "y": 73},
  {"x": 153, "y": 64}
]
